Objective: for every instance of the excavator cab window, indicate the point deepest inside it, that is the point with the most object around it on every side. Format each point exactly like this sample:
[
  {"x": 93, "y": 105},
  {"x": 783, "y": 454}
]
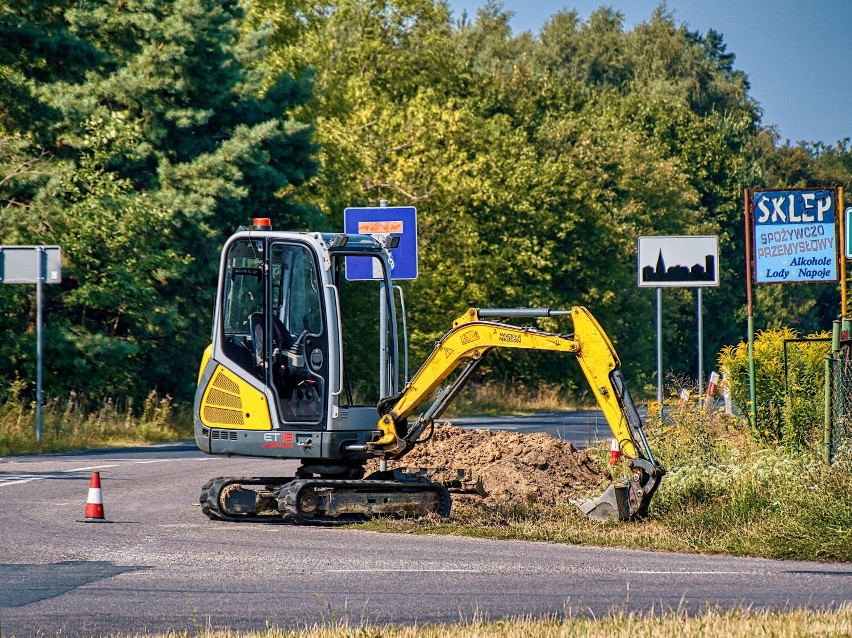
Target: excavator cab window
[
  {"x": 243, "y": 297},
  {"x": 363, "y": 358},
  {"x": 273, "y": 326}
]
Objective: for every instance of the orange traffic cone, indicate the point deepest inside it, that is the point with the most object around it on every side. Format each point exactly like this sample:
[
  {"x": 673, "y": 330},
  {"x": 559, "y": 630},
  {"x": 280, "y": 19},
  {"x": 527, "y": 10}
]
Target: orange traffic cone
[
  {"x": 614, "y": 453},
  {"x": 95, "y": 501}
]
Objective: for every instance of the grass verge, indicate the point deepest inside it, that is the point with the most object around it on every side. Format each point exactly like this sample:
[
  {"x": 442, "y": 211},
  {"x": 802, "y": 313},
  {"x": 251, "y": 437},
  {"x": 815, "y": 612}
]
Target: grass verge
[
  {"x": 723, "y": 494},
  {"x": 76, "y": 424},
  {"x": 729, "y": 624}
]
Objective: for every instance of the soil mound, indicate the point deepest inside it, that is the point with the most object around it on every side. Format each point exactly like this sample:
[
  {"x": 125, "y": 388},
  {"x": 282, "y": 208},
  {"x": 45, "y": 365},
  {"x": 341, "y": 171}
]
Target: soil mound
[{"x": 513, "y": 467}]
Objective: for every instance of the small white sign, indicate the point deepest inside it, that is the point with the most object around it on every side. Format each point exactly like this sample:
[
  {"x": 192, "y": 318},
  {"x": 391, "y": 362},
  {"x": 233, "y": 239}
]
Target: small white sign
[
  {"x": 25, "y": 264},
  {"x": 678, "y": 261}
]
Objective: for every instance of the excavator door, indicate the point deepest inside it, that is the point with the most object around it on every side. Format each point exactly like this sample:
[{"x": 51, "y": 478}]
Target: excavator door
[
  {"x": 264, "y": 389},
  {"x": 273, "y": 327}
]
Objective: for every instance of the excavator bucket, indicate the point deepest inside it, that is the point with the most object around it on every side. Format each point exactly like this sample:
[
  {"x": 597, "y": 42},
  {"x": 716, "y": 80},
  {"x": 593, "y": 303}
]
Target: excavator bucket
[
  {"x": 626, "y": 499},
  {"x": 609, "y": 505}
]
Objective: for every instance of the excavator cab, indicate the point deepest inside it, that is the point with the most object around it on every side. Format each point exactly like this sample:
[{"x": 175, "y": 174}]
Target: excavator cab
[
  {"x": 272, "y": 328},
  {"x": 277, "y": 380}
]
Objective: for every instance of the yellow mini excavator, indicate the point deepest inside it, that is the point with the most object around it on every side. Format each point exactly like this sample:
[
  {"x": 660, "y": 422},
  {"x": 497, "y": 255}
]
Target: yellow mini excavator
[{"x": 291, "y": 374}]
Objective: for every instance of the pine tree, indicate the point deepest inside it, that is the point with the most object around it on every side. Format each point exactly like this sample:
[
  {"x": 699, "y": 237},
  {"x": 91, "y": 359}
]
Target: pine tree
[{"x": 177, "y": 135}]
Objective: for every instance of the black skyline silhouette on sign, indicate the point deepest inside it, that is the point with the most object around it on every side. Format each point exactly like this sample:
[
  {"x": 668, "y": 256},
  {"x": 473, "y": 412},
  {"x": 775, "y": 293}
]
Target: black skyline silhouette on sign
[{"x": 697, "y": 272}]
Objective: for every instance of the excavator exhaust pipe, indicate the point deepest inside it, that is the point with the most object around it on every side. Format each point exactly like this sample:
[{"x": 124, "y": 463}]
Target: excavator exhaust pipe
[{"x": 626, "y": 499}]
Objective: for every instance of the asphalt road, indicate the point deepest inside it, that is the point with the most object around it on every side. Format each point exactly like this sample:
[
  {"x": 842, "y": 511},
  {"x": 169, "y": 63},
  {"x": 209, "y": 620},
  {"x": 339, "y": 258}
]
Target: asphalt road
[{"x": 162, "y": 565}]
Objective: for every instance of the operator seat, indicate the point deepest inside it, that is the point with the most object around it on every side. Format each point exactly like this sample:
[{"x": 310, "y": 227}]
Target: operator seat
[
  {"x": 299, "y": 397},
  {"x": 281, "y": 337}
]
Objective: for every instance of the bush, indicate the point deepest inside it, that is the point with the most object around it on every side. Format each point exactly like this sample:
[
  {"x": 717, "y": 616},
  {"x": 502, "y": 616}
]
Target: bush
[
  {"x": 685, "y": 433},
  {"x": 788, "y": 413},
  {"x": 726, "y": 491}
]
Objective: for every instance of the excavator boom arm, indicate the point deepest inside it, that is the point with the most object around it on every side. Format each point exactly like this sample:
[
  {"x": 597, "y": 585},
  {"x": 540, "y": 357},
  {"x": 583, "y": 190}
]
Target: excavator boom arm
[{"x": 471, "y": 338}]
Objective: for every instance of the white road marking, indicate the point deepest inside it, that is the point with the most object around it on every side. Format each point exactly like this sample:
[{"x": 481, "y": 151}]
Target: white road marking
[
  {"x": 180, "y": 460},
  {"x": 26, "y": 478},
  {"x": 4, "y": 483},
  {"x": 398, "y": 570},
  {"x": 653, "y": 572},
  {"x": 86, "y": 469},
  {"x": 379, "y": 570},
  {"x": 18, "y": 479}
]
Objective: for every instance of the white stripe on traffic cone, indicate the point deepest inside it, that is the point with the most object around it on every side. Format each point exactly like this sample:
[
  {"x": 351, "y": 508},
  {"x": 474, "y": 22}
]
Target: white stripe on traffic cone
[{"x": 614, "y": 453}]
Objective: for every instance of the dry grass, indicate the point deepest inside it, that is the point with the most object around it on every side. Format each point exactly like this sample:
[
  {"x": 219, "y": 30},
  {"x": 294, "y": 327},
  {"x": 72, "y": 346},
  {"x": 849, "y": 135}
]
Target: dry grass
[
  {"x": 508, "y": 398},
  {"x": 728, "y": 624},
  {"x": 76, "y": 423}
]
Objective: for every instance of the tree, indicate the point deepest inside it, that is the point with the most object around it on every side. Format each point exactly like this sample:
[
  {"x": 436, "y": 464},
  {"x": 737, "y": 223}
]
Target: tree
[
  {"x": 176, "y": 136},
  {"x": 534, "y": 161}
]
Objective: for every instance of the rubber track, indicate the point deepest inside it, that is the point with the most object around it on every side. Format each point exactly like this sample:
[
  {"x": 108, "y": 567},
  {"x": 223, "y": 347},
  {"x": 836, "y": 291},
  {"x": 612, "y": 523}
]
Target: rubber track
[
  {"x": 211, "y": 491},
  {"x": 288, "y": 498}
]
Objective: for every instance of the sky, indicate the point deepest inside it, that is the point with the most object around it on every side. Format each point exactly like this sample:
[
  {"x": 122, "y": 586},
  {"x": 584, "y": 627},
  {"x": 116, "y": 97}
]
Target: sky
[{"x": 797, "y": 53}]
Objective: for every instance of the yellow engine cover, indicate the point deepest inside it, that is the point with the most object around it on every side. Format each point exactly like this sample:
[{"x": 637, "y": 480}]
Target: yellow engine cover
[{"x": 229, "y": 402}]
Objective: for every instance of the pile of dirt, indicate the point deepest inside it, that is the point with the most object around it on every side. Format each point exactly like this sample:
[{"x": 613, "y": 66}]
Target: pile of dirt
[{"x": 512, "y": 467}]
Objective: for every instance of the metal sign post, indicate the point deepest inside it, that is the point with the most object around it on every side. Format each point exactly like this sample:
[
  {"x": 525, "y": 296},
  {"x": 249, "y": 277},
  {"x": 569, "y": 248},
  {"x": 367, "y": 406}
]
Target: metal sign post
[
  {"x": 28, "y": 265},
  {"x": 845, "y": 248},
  {"x": 659, "y": 345},
  {"x": 40, "y": 255},
  {"x": 690, "y": 261},
  {"x": 700, "y": 327}
]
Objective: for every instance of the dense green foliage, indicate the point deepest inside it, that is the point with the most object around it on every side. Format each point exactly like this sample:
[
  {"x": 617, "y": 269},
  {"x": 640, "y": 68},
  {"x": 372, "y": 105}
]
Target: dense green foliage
[
  {"x": 536, "y": 160},
  {"x": 159, "y": 134},
  {"x": 138, "y": 134},
  {"x": 789, "y": 391}
]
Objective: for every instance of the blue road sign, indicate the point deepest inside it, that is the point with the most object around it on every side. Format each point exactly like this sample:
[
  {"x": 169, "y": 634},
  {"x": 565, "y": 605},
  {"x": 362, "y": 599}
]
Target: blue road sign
[
  {"x": 795, "y": 236},
  {"x": 400, "y": 221}
]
